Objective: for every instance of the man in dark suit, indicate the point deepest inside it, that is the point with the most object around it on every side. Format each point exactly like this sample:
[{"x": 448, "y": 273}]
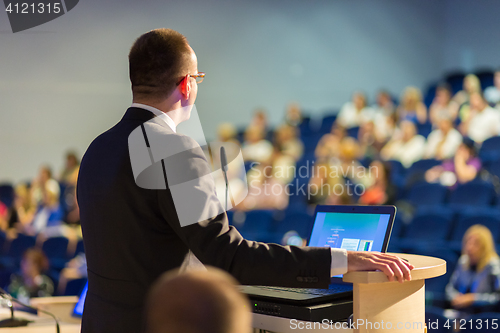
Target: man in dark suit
[{"x": 133, "y": 234}]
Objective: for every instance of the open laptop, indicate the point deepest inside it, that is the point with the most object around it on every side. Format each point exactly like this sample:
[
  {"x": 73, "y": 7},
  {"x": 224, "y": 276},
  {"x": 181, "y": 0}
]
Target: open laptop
[{"x": 354, "y": 228}]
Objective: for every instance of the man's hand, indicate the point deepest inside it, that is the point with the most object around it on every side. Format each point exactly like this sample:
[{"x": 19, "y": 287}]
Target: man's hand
[
  {"x": 394, "y": 267},
  {"x": 463, "y": 301}
]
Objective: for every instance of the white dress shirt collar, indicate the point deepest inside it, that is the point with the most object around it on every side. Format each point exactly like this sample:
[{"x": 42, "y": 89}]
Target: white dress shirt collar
[{"x": 160, "y": 114}]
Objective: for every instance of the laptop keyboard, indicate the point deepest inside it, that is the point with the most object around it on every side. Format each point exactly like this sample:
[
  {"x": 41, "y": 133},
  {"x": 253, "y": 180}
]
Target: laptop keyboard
[{"x": 312, "y": 291}]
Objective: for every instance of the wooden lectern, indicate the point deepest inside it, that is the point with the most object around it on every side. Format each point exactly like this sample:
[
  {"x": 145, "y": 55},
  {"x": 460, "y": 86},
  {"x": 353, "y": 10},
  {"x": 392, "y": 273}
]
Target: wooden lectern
[{"x": 383, "y": 306}]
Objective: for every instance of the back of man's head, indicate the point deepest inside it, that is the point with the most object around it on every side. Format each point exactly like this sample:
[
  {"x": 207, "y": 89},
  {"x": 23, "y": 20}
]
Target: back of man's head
[
  {"x": 157, "y": 61},
  {"x": 197, "y": 302}
]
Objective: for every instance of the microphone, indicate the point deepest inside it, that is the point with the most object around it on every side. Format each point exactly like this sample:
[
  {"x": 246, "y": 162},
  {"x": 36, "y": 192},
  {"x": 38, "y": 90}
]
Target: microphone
[{"x": 223, "y": 165}]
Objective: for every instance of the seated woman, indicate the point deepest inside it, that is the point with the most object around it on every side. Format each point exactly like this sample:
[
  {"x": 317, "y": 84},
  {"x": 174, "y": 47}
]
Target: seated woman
[
  {"x": 355, "y": 113},
  {"x": 412, "y": 108},
  {"x": 31, "y": 282},
  {"x": 461, "y": 169},
  {"x": 406, "y": 146},
  {"x": 459, "y": 106},
  {"x": 475, "y": 284},
  {"x": 440, "y": 107}
]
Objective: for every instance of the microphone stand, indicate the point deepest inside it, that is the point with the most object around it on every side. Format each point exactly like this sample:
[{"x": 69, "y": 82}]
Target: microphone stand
[{"x": 12, "y": 322}]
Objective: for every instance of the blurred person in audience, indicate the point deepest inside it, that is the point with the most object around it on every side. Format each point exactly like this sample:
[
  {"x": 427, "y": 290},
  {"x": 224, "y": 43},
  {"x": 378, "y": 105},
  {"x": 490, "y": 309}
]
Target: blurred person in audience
[
  {"x": 443, "y": 142},
  {"x": 406, "y": 146},
  {"x": 385, "y": 105},
  {"x": 287, "y": 142},
  {"x": 325, "y": 185},
  {"x": 31, "y": 282},
  {"x": 255, "y": 147},
  {"x": 48, "y": 215},
  {"x": 329, "y": 145},
  {"x": 411, "y": 107},
  {"x": 370, "y": 140},
  {"x": 265, "y": 191},
  {"x": 69, "y": 174},
  {"x": 23, "y": 210},
  {"x": 459, "y": 106},
  {"x": 260, "y": 120},
  {"x": 198, "y": 301},
  {"x": 474, "y": 286},
  {"x": 379, "y": 190},
  {"x": 440, "y": 107},
  {"x": 492, "y": 94},
  {"x": 293, "y": 114},
  {"x": 226, "y": 132},
  {"x": 74, "y": 269},
  {"x": 483, "y": 121},
  {"x": 354, "y": 113},
  {"x": 462, "y": 168},
  {"x": 39, "y": 183}
]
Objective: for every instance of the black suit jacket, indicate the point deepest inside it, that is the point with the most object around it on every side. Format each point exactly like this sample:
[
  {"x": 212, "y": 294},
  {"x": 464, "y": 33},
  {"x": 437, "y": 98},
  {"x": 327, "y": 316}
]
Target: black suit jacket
[{"x": 132, "y": 235}]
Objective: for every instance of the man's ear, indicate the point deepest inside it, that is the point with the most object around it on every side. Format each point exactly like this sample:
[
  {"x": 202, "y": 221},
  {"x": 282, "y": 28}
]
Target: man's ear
[{"x": 185, "y": 87}]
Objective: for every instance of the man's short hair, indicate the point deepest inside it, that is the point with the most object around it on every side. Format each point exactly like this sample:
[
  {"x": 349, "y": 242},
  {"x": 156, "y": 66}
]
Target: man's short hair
[
  {"x": 197, "y": 302},
  {"x": 157, "y": 61}
]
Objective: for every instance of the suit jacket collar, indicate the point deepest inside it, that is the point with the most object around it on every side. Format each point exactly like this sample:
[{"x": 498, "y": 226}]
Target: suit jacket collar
[{"x": 134, "y": 113}]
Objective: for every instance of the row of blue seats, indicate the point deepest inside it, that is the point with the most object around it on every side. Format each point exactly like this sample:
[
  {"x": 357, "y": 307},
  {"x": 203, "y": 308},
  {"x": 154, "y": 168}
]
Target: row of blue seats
[{"x": 55, "y": 248}]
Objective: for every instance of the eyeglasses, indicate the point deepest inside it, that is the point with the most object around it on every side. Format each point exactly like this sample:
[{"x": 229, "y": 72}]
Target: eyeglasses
[{"x": 198, "y": 77}]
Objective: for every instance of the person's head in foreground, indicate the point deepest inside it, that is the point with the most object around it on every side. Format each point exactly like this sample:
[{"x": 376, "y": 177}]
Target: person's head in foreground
[
  {"x": 479, "y": 246},
  {"x": 197, "y": 302}
]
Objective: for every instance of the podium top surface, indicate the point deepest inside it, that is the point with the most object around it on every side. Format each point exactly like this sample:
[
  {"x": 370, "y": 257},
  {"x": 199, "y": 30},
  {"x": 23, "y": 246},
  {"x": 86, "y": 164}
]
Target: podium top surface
[{"x": 425, "y": 268}]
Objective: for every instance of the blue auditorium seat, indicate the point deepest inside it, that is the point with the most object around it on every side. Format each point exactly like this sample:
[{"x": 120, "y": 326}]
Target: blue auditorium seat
[
  {"x": 490, "y": 149},
  {"x": 424, "y": 129},
  {"x": 79, "y": 248},
  {"x": 486, "y": 77},
  {"x": 327, "y": 123},
  {"x": 56, "y": 250},
  {"x": 7, "y": 194},
  {"x": 475, "y": 193},
  {"x": 417, "y": 233},
  {"x": 422, "y": 194},
  {"x": 353, "y": 132},
  {"x": 456, "y": 81},
  {"x": 305, "y": 126},
  {"x": 257, "y": 225},
  {"x": 15, "y": 250},
  {"x": 430, "y": 94},
  {"x": 489, "y": 218}
]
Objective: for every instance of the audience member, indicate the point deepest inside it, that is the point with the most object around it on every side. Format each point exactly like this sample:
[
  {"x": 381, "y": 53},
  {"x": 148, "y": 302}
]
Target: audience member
[
  {"x": 69, "y": 174},
  {"x": 460, "y": 103},
  {"x": 492, "y": 94},
  {"x": 197, "y": 302},
  {"x": 39, "y": 183},
  {"x": 293, "y": 115},
  {"x": 463, "y": 168},
  {"x": 31, "y": 282},
  {"x": 385, "y": 105},
  {"x": 255, "y": 147},
  {"x": 48, "y": 215},
  {"x": 406, "y": 146},
  {"x": 411, "y": 107},
  {"x": 287, "y": 142},
  {"x": 443, "y": 142},
  {"x": 379, "y": 190},
  {"x": 353, "y": 114},
  {"x": 475, "y": 284},
  {"x": 483, "y": 121},
  {"x": 329, "y": 145},
  {"x": 440, "y": 107}
]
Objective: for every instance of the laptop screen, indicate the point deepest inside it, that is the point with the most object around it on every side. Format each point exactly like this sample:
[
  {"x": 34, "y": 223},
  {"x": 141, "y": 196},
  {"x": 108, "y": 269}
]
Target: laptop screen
[
  {"x": 350, "y": 231},
  {"x": 353, "y": 228},
  {"x": 78, "y": 310}
]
